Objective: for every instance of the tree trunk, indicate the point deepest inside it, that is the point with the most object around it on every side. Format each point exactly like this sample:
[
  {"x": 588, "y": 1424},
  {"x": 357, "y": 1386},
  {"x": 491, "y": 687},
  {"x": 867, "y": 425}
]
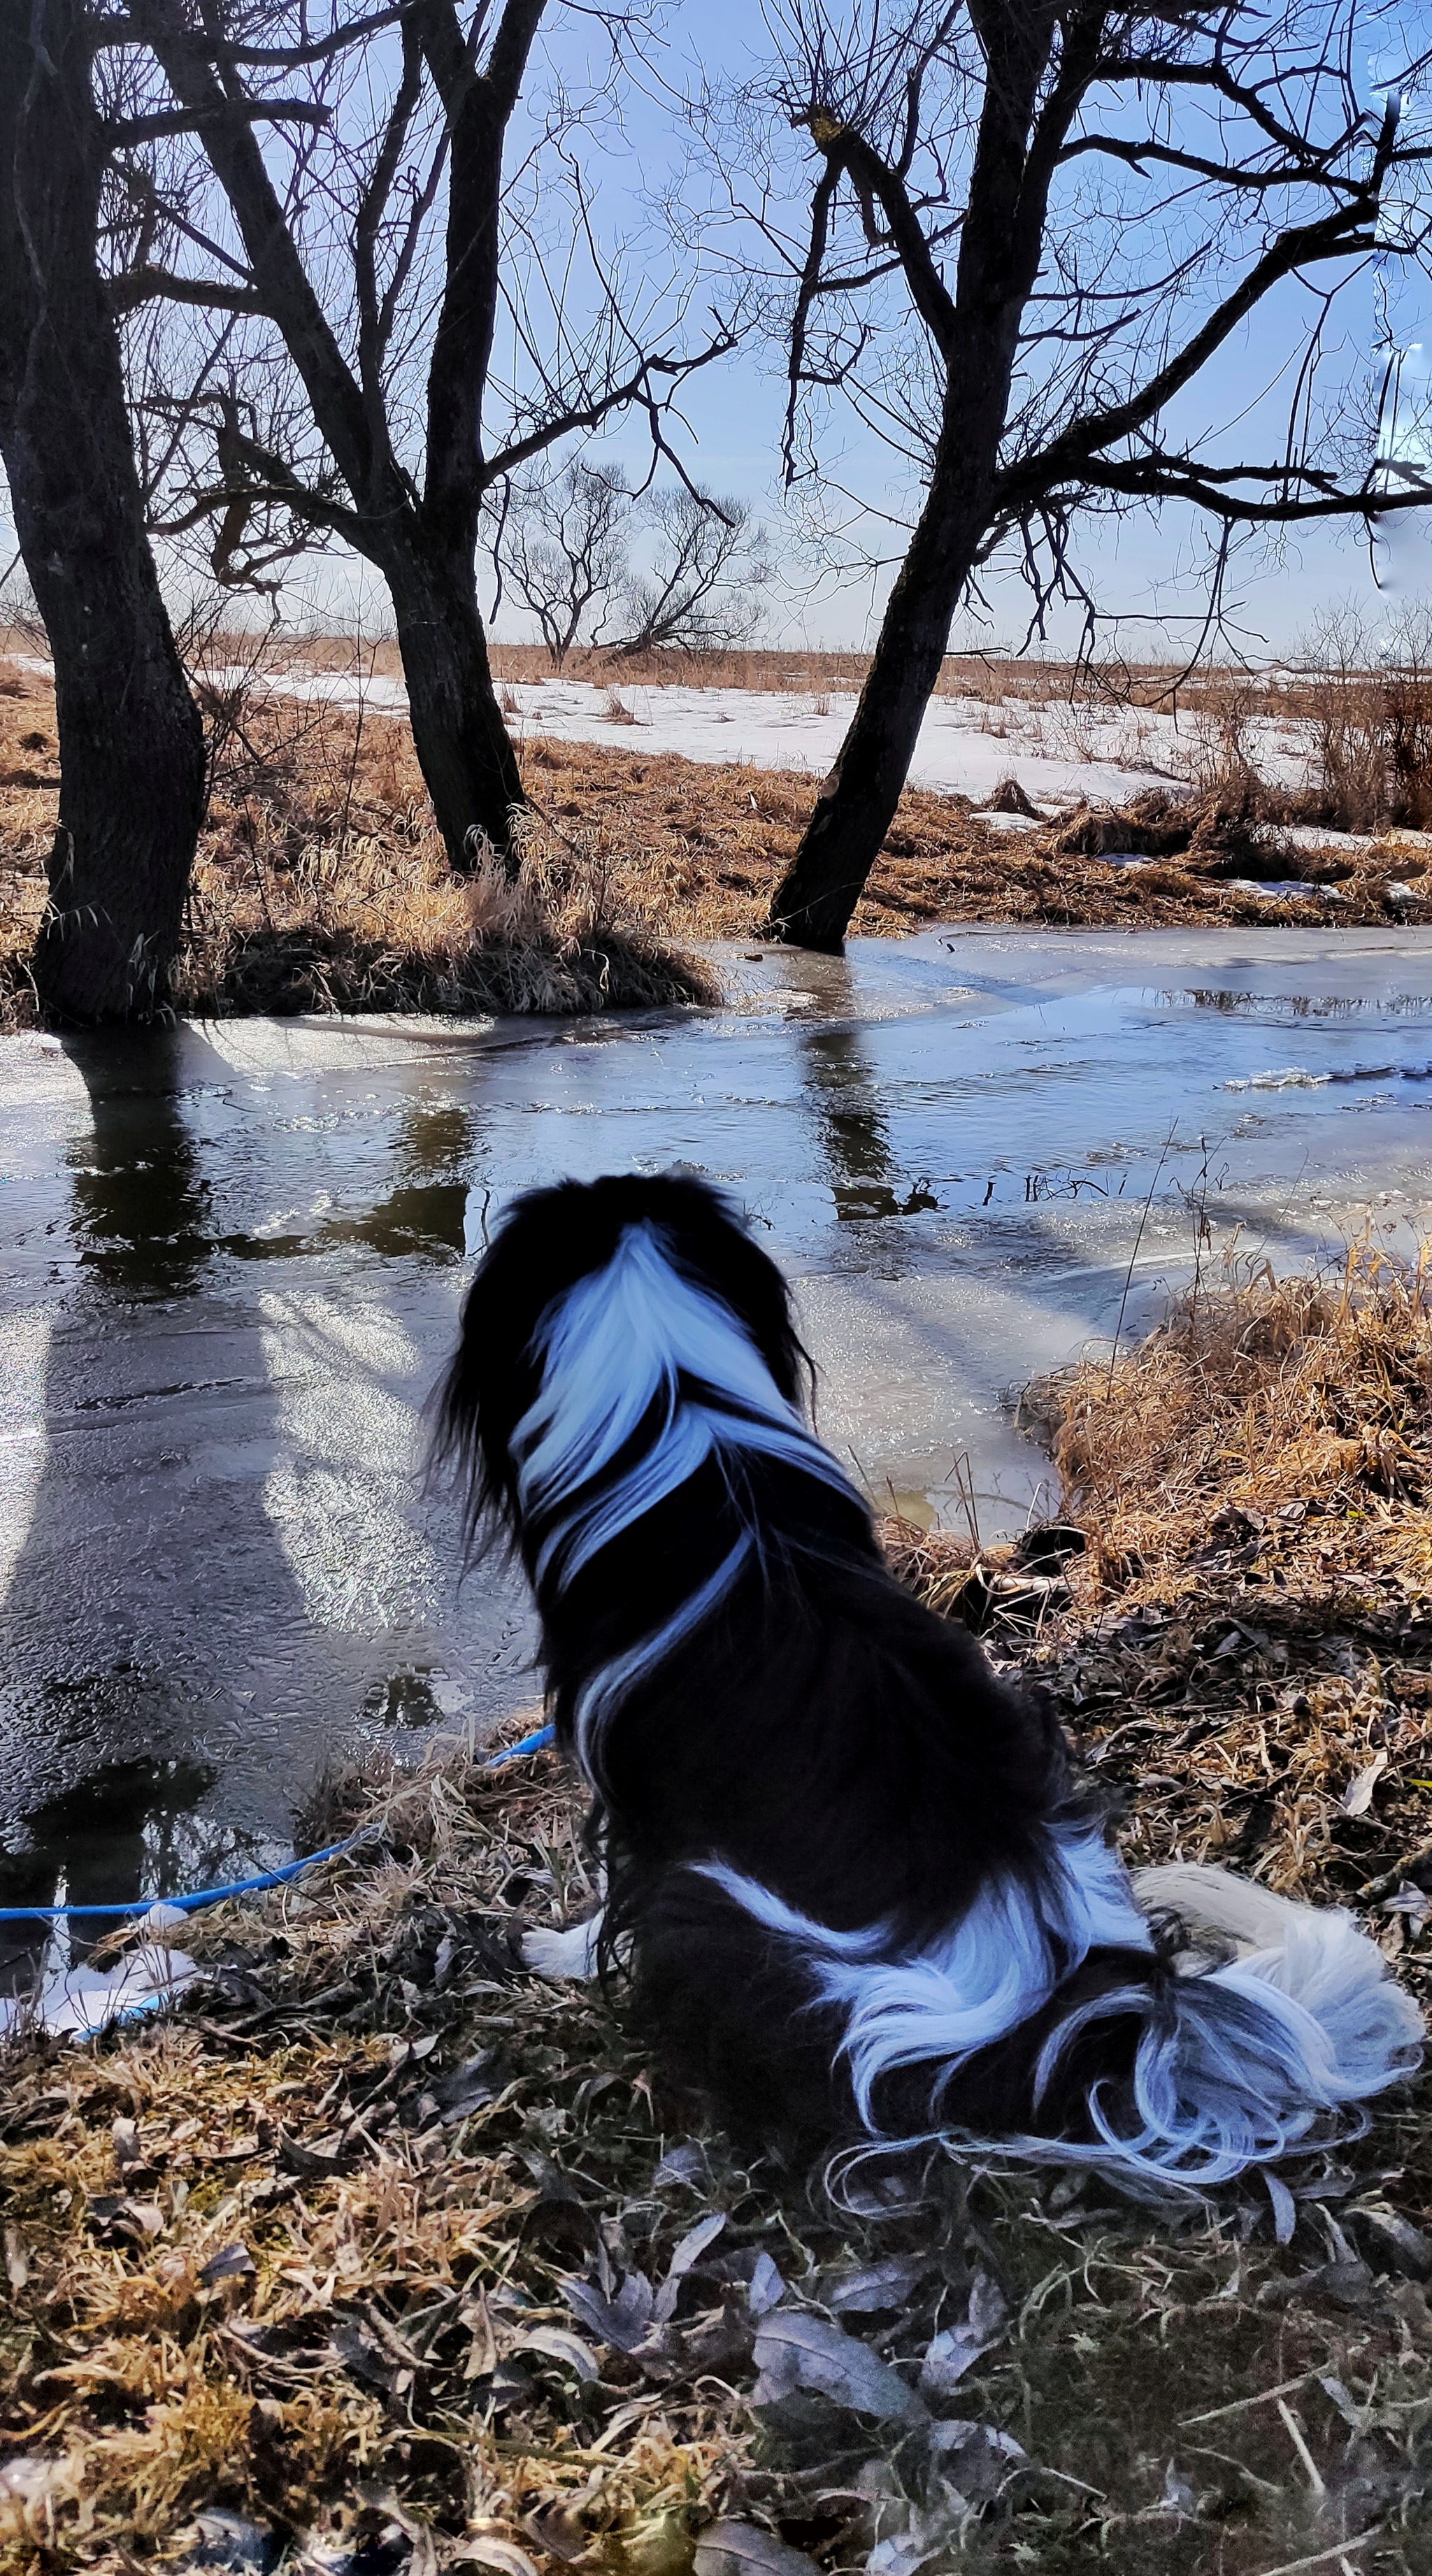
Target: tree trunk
[
  {"x": 463, "y": 747},
  {"x": 998, "y": 261},
  {"x": 812, "y": 905},
  {"x": 131, "y": 742}
]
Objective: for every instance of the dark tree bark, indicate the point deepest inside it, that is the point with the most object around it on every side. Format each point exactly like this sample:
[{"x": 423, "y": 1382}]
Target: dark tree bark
[
  {"x": 131, "y": 742},
  {"x": 976, "y": 332},
  {"x": 812, "y": 905},
  {"x": 464, "y": 749}
]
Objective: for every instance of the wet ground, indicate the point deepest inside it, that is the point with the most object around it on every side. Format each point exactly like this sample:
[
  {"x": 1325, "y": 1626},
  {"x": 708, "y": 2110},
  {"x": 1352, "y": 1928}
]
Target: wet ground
[{"x": 233, "y": 1256}]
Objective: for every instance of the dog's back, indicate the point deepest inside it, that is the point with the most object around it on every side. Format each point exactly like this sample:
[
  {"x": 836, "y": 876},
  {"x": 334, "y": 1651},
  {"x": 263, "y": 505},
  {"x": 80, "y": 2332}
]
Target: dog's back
[{"x": 847, "y": 1863}]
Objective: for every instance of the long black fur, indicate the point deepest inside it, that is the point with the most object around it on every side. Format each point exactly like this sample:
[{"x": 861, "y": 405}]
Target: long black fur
[{"x": 822, "y": 1732}]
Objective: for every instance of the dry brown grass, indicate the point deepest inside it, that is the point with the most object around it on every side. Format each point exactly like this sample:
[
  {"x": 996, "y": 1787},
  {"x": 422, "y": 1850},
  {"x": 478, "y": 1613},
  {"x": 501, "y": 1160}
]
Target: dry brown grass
[
  {"x": 1252, "y": 1487},
  {"x": 1308, "y": 1400},
  {"x": 1242, "y": 1641},
  {"x": 321, "y": 885},
  {"x": 302, "y": 2253}
]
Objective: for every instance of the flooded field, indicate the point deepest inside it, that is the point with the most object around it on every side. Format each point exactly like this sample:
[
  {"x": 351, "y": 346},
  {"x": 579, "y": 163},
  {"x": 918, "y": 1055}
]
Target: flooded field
[{"x": 232, "y": 1258}]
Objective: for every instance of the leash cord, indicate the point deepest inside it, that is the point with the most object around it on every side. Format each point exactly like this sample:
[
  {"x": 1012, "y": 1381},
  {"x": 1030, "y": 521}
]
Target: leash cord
[{"x": 534, "y": 1743}]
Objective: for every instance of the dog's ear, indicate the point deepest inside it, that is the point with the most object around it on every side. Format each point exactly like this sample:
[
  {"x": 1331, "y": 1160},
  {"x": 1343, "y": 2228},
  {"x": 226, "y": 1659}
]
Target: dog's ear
[{"x": 492, "y": 1378}]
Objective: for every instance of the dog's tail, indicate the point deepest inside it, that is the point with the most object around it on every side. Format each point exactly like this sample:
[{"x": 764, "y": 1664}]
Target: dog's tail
[
  {"x": 1240, "y": 2063},
  {"x": 1050, "y": 2017}
]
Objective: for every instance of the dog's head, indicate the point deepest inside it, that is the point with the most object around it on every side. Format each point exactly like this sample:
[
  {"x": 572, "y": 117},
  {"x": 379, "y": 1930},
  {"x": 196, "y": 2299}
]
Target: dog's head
[{"x": 676, "y": 1291}]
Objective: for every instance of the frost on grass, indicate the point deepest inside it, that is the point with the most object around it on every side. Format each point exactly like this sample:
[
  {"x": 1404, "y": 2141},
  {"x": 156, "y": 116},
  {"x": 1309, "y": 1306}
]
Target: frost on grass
[{"x": 399, "y": 2259}]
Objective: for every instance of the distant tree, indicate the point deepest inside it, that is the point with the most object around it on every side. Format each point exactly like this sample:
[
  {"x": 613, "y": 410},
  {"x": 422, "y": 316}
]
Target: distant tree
[
  {"x": 1018, "y": 234},
  {"x": 131, "y": 741},
  {"x": 564, "y": 550},
  {"x": 704, "y": 592},
  {"x": 409, "y": 321}
]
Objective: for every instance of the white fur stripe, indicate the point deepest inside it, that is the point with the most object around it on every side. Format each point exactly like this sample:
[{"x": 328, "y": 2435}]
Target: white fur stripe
[
  {"x": 601, "y": 1696},
  {"x": 637, "y": 1342},
  {"x": 611, "y": 1348}
]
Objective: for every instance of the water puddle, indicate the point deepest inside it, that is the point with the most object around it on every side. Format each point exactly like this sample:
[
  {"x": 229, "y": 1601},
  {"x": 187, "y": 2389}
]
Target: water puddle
[{"x": 233, "y": 1256}]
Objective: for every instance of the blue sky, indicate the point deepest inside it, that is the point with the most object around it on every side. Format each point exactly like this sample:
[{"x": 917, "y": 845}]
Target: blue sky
[{"x": 1146, "y": 567}]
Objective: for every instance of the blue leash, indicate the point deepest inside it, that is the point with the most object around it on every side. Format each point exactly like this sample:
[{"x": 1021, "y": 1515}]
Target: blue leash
[{"x": 240, "y": 1886}]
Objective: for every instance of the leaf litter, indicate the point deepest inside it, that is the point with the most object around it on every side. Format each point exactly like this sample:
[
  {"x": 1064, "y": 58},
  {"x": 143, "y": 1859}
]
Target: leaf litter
[{"x": 376, "y": 2257}]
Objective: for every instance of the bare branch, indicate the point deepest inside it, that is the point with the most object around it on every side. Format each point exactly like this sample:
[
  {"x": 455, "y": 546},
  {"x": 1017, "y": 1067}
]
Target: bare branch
[
  {"x": 636, "y": 388},
  {"x": 139, "y": 285},
  {"x": 127, "y": 31},
  {"x": 127, "y": 131}
]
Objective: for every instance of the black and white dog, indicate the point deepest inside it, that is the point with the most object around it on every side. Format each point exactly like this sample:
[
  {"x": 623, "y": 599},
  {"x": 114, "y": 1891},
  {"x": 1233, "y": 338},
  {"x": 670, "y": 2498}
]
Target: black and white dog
[{"x": 857, "y": 1884}]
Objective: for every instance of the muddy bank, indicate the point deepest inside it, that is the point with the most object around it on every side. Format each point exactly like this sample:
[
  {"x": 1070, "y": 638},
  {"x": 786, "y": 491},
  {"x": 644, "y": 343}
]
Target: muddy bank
[{"x": 321, "y": 885}]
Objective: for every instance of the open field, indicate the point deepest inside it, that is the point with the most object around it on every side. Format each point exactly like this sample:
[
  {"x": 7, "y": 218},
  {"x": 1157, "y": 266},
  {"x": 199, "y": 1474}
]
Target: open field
[{"x": 363, "y": 2245}]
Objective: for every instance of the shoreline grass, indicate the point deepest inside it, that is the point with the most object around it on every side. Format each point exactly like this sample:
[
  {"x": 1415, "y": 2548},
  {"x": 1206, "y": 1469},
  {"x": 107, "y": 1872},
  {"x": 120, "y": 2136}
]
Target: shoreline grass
[{"x": 320, "y": 883}]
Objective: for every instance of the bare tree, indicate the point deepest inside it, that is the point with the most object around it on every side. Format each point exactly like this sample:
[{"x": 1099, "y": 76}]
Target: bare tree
[
  {"x": 378, "y": 250},
  {"x": 131, "y": 743},
  {"x": 1020, "y": 234},
  {"x": 563, "y": 549},
  {"x": 703, "y": 593}
]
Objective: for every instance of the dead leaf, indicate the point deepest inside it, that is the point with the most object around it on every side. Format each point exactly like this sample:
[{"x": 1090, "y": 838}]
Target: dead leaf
[
  {"x": 623, "y": 2320},
  {"x": 559, "y": 2532},
  {"x": 1394, "y": 2244},
  {"x": 694, "y": 2243},
  {"x": 502, "y": 2555},
  {"x": 1413, "y": 1902},
  {"x": 1357, "y": 1796},
  {"x": 681, "y": 2164},
  {"x": 796, "y": 2350},
  {"x": 469, "y": 2087},
  {"x": 325, "y": 2156},
  {"x": 482, "y": 2360},
  {"x": 17, "y": 2266},
  {"x": 952, "y": 2353},
  {"x": 874, "y": 2286},
  {"x": 560, "y": 2345},
  {"x": 362, "y": 2355},
  {"x": 743, "y": 2549},
  {"x": 765, "y": 2289},
  {"x": 229, "y": 2544},
  {"x": 229, "y": 2264},
  {"x": 1285, "y": 2208},
  {"x": 692, "y": 2246},
  {"x": 978, "y": 2459}
]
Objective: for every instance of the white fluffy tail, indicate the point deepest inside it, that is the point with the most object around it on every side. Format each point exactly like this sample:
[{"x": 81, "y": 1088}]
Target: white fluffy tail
[
  {"x": 1233, "y": 2064},
  {"x": 1241, "y": 2064},
  {"x": 1245, "y": 1913}
]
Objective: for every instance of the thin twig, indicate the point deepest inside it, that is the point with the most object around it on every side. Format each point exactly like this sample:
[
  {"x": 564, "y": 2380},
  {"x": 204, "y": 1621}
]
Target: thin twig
[{"x": 1133, "y": 1257}]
